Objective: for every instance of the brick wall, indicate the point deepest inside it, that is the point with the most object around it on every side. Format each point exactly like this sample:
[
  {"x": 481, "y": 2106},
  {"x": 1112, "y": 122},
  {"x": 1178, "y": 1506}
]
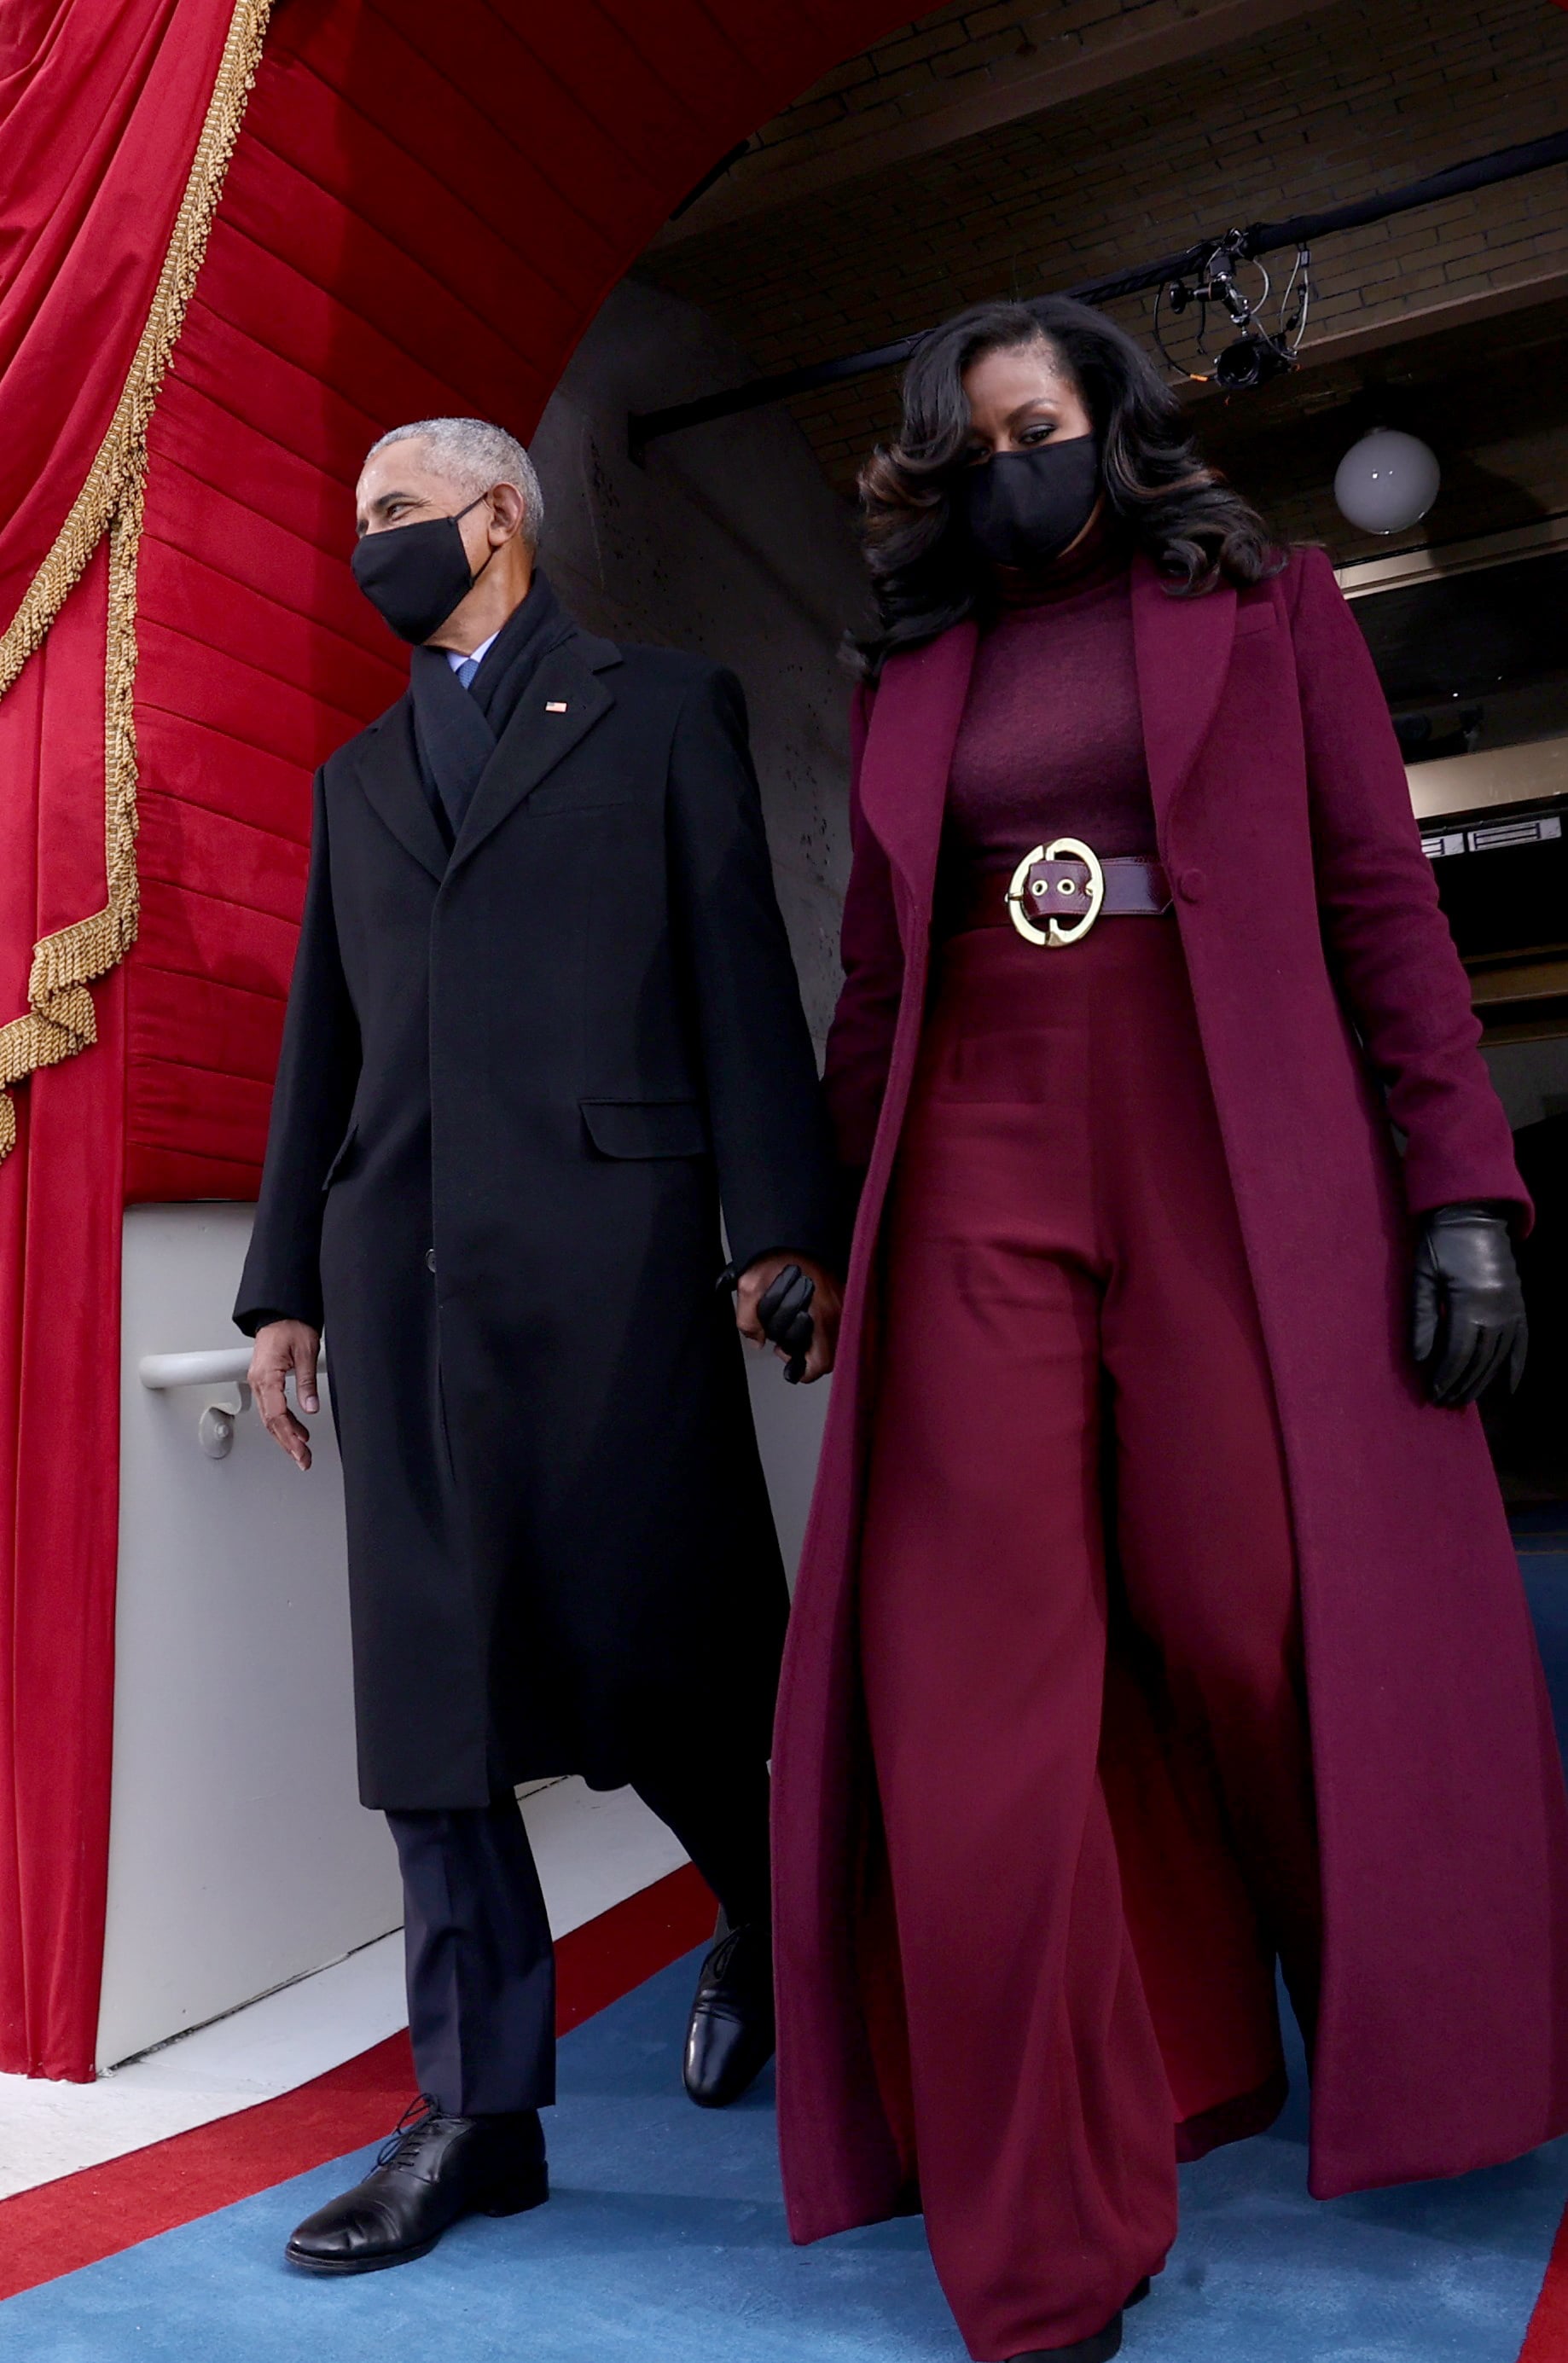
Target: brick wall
[
  {"x": 1344, "y": 101},
  {"x": 955, "y": 52},
  {"x": 952, "y": 53}
]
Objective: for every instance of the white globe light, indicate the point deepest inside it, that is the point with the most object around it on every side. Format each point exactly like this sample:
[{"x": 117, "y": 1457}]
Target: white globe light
[{"x": 1386, "y": 481}]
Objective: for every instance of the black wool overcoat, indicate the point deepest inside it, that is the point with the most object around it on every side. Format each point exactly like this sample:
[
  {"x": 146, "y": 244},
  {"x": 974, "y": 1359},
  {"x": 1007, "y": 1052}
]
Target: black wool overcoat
[{"x": 520, "y": 1077}]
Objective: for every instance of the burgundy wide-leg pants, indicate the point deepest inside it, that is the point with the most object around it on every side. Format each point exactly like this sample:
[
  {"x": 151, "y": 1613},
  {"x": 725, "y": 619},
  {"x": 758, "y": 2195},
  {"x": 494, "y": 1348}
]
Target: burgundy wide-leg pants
[{"x": 1074, "y": 1438}]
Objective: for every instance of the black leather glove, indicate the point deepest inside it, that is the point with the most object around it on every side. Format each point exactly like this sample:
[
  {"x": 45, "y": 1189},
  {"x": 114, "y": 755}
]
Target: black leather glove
[
  {"x": 1468, "y": 1309},
  {"x": 784, "y": 1311}
]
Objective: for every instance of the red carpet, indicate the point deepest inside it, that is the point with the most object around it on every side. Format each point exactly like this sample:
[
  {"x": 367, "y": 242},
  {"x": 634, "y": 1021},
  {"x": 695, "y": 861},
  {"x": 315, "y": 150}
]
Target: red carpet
[
  {"x": 81, "y": 2218},
  {"x": 1547, "y": 2338}
]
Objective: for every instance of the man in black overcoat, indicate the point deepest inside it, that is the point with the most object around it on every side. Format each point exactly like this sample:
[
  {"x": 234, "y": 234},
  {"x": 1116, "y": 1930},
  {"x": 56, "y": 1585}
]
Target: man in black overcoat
[{"x": 543, "y": 1030}]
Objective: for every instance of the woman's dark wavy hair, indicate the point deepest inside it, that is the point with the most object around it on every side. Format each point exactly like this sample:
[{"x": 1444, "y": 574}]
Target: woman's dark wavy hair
[{"x": 924, "y": 573}]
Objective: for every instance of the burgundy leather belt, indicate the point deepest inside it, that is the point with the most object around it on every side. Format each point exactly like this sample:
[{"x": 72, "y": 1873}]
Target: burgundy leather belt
[{"x": 1057, "y": 893}]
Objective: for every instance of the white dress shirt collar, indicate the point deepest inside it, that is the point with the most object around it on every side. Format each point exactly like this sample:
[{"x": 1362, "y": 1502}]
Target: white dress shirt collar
[{"x": 456, "y": 657}]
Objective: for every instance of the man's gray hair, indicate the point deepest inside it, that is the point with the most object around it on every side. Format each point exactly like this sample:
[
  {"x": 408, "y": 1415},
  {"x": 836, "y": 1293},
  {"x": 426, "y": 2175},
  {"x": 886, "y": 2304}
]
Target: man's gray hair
[{"x": 476, "y": 455}]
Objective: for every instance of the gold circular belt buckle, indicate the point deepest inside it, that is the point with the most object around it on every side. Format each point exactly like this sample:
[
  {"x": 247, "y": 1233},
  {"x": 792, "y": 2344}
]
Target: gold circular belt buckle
[{"x": 1025, "y": 907}]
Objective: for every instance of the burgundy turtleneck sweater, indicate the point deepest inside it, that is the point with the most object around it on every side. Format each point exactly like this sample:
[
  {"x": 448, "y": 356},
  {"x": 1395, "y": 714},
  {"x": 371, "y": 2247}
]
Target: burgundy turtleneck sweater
[{"x": 1052, "y": 739}]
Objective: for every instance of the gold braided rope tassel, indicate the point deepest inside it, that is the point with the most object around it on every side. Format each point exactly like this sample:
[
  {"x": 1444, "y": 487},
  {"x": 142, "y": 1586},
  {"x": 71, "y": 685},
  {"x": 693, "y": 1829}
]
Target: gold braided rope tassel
[{"x": 59, "y": 1021}]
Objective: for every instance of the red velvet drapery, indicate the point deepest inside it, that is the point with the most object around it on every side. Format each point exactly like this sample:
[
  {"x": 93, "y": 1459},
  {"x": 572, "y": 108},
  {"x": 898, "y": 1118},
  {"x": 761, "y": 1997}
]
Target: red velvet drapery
[
  {"x": 59, "y": 1247},
  {"x": 100, "y": 112},
  {"x": 423, "y": 211}
]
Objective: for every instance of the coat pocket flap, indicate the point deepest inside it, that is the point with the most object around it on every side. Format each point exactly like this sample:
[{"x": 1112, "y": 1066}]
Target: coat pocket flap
[{"x": 646, "y": 1128}]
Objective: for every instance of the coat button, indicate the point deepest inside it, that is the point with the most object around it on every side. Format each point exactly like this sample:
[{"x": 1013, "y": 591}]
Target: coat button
[
  {"x": 429, "y": 1259},
  {"x": 1192, "y": 885}
]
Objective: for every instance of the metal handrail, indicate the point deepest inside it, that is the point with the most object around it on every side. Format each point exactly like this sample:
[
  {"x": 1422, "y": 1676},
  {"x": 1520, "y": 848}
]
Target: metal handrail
[{"x": 220, "y": 1366}]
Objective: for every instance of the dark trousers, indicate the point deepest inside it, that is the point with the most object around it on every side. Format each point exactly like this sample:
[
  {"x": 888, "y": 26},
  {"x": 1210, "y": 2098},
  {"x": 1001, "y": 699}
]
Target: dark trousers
[
  {"x": 476, "y": 1937},
  {"x": 1080, "y": 1630}
]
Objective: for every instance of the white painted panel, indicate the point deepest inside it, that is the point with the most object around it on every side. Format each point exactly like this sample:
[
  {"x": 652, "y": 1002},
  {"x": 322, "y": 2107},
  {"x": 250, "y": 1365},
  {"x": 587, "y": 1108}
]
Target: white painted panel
[
  {"x": 593, "y": 1849},
  {"x": 239, "y": 1855},
  {"x": 789, "y": 1422}
]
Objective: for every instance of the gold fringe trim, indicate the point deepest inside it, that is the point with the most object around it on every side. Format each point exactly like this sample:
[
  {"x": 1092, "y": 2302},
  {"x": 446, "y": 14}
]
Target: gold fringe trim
[{"x": 60, "y": 1020}]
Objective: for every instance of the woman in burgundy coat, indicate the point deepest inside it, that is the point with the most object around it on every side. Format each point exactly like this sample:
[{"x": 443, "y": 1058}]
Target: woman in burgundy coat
[{"x": 1158, "y": 1618}]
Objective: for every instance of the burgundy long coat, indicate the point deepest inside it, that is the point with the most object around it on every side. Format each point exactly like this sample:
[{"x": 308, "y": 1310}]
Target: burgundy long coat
[{"x": 1321, "y": 967}]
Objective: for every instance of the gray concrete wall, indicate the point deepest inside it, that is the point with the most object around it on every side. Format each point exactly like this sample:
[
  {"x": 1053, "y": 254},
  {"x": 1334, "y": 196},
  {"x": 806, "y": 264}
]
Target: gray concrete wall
[{"x": 728, "y": 542}]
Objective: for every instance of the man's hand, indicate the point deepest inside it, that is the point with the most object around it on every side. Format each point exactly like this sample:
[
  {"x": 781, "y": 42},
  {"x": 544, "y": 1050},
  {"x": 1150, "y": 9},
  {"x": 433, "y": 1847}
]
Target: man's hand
[
  {"x": 282, "y": 1346},
  {"x": 822, "y": 1307}
]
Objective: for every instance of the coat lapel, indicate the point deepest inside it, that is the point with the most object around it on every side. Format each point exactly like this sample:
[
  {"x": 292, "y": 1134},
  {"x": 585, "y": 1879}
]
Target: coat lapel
[
  {"x": 561, "y": 705},
  {"x": 389, "y": 773},
  {"x": 908, "y": 753},
  {"x": 1183, "y": 652}
]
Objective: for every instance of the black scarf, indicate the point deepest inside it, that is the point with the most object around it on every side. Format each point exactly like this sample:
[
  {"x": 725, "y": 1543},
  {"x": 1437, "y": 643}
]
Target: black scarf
[{"x": 456, "y": 729}]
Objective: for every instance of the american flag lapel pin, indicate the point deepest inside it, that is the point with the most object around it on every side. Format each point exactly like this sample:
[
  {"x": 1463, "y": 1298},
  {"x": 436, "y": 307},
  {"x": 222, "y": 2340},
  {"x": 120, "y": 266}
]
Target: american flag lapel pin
[{"x": 555, "y": 706}]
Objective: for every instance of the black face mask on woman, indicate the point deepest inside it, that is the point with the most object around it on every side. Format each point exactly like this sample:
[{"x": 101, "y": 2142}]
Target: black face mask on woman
[
  {"x": 416, "y": 574},
  {"x": 1022, "y": 508}
]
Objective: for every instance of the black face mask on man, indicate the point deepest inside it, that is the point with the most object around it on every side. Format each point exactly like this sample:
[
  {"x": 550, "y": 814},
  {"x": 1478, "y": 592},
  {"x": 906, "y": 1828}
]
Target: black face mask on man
[
  {"x": 1022, "y": 508},
  {"x": 416, "y": 574}
]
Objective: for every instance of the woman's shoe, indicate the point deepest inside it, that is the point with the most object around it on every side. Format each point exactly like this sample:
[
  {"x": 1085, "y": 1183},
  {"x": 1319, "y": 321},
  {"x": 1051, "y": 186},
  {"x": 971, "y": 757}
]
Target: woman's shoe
[{"x": 1097, "y": 2350}]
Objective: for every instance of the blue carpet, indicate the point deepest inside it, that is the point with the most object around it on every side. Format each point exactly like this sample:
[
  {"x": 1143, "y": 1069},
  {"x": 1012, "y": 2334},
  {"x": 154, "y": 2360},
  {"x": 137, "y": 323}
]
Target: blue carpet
[{"x": 665, "y": 2242}]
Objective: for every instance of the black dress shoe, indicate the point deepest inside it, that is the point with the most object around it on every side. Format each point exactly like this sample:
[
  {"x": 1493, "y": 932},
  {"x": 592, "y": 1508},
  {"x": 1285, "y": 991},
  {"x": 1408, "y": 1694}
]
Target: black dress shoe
[
  {"x": 730, "y": 2039},
  {"x": 1097, "y": 2350},
  {"x": 434, "y": 2170}
]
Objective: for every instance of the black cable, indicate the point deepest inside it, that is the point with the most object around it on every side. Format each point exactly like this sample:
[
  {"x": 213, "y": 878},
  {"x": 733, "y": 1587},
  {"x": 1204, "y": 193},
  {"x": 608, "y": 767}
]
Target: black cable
[
  {"x": 1261, "y": 237},
  {"x": 1481, "y": 173}
]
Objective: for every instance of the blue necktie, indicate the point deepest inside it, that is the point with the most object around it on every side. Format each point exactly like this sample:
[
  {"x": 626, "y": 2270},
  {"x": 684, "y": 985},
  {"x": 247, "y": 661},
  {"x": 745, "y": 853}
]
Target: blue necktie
[{"x": 466, "y": 671}]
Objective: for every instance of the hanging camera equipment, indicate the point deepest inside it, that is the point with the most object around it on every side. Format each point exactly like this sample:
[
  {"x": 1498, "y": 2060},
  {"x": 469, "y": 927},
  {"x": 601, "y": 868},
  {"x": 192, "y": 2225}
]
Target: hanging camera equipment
[
  {"x": 1258, "y": 353},
  {"x": 1254, "y": 350}
]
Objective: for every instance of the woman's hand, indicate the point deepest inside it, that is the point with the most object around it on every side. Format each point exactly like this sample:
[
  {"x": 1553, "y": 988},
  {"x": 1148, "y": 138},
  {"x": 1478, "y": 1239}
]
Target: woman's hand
[
  {"x": 792, "y": 1304},
  {"x": 1468, "y": 1310}
]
